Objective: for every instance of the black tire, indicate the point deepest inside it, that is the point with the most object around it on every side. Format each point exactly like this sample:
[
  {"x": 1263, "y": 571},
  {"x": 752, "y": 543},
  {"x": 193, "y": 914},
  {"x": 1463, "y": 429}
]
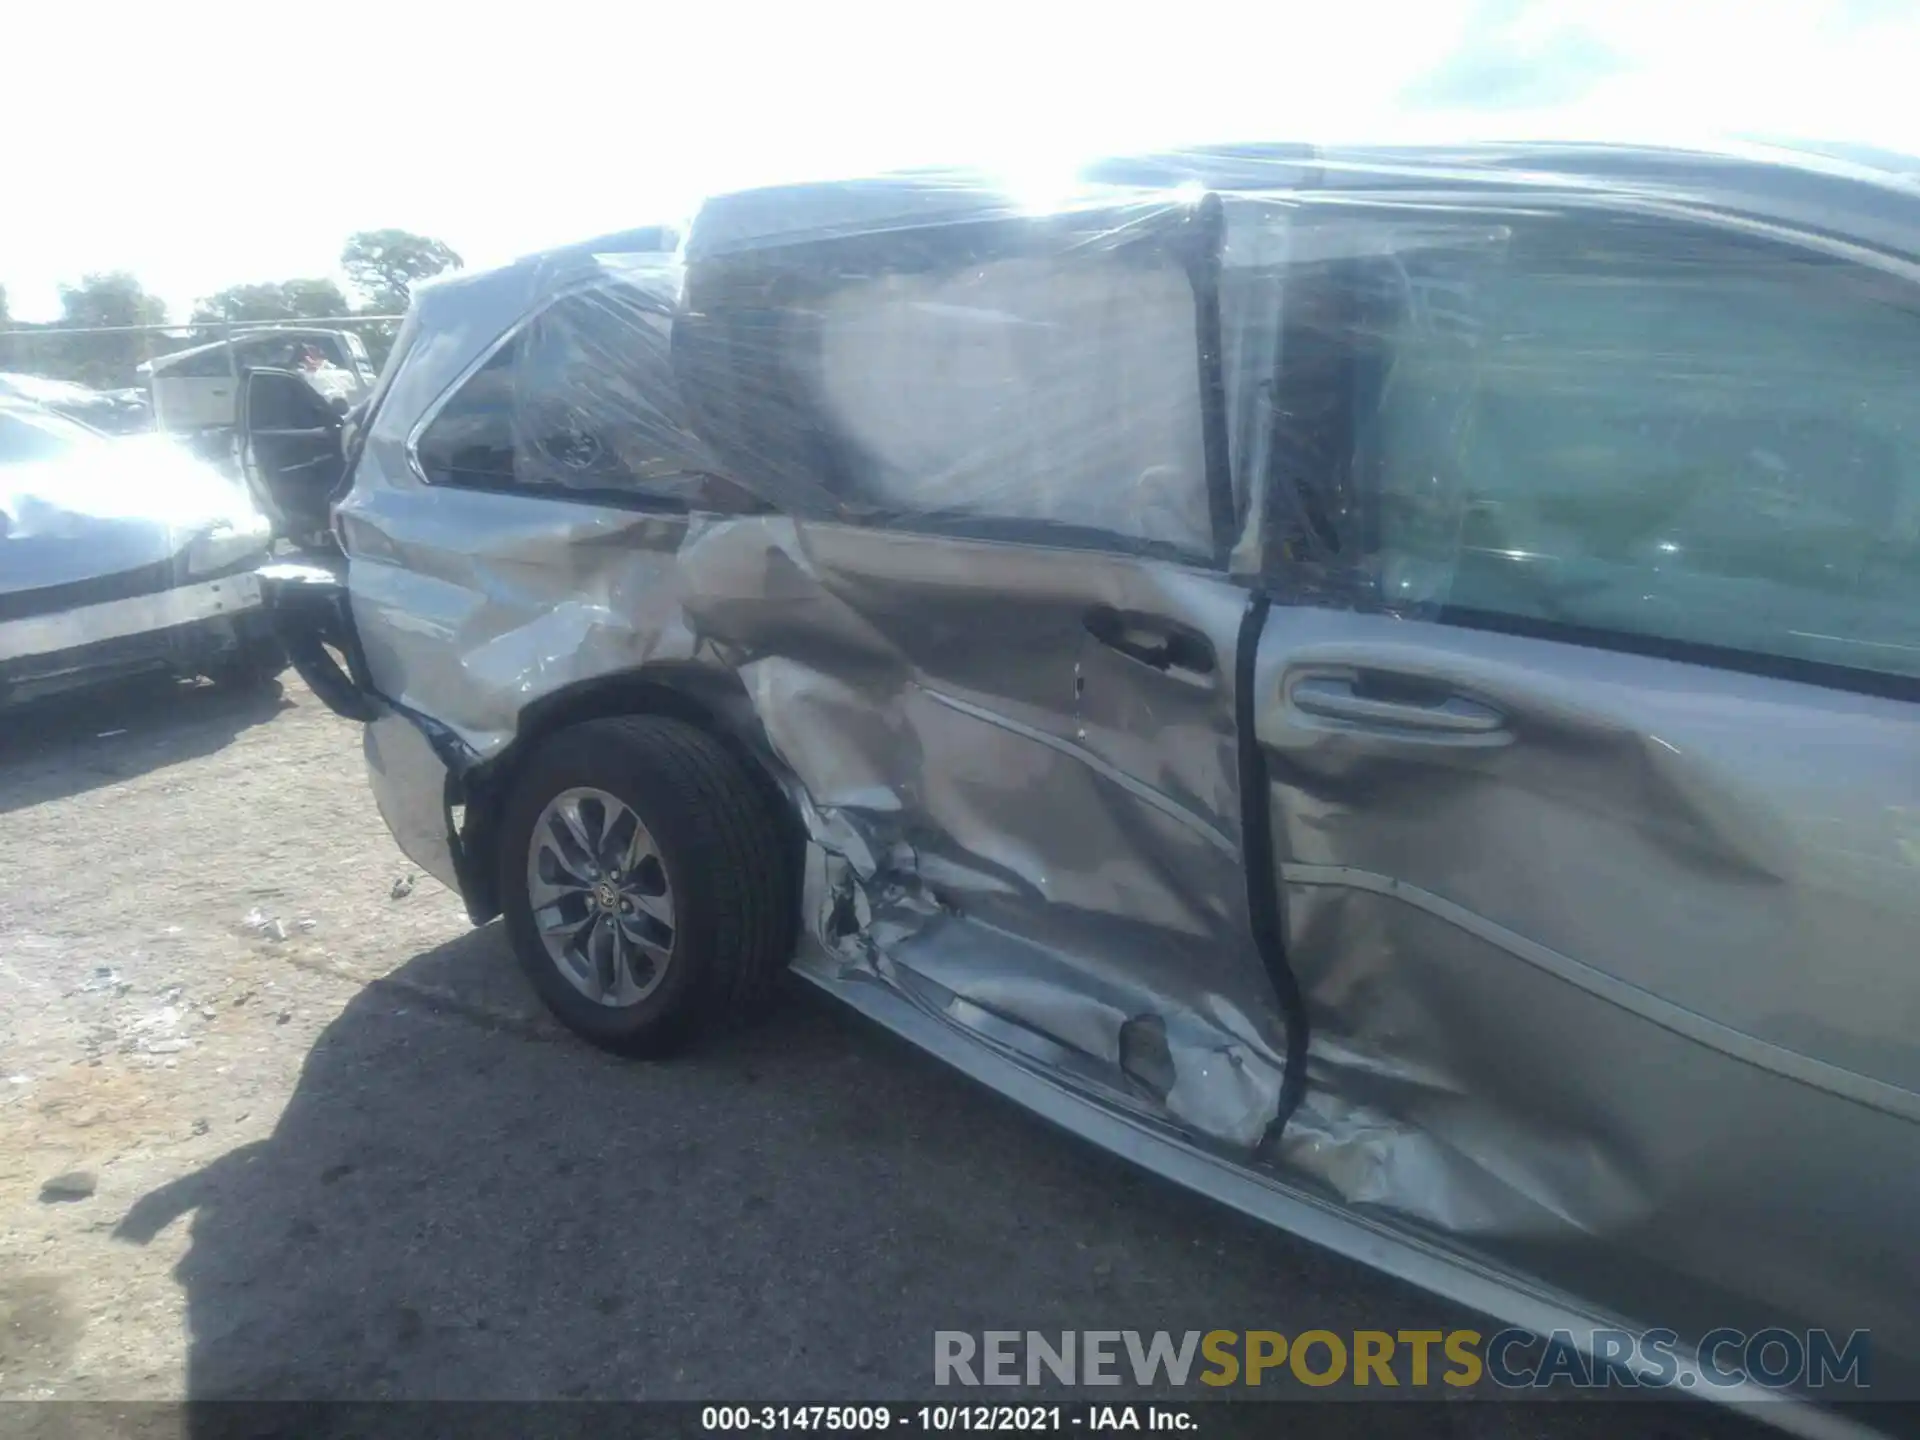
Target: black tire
[{"x": 734, "y": 882}]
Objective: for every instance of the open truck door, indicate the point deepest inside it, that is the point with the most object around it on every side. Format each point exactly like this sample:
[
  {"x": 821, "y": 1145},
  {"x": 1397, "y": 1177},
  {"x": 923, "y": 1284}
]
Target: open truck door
[{"x": 292, "y": 452}]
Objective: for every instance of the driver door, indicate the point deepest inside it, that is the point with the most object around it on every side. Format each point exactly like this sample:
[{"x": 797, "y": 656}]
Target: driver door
[{"x": 1587, "y": 707}]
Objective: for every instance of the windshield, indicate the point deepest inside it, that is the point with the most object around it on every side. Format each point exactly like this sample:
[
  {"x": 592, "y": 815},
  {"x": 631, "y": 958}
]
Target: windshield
[{"x": 27, "y": 436}]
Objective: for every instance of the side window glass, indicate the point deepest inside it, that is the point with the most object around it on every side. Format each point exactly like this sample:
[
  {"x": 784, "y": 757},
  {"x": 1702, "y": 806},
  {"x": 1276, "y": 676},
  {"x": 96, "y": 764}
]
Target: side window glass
[
  {"x": 597, "y": 406},
  {"x": 1660, "y": 433},
  {"x": 581, "y": 399},
  {"x": 470, "y": 441},
  {"x": 1060, "y": 390},
  {"x": 270, "y": 352},
  {"x": 203, "y": 366}
]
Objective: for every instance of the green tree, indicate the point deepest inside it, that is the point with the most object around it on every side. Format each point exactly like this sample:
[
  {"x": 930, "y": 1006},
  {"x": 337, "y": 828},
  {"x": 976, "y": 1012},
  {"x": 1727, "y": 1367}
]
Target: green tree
[
  {"x": 274, "y": 300},
  {"x": 110, "y": 303},
  {"x": 384, "y": 266}
]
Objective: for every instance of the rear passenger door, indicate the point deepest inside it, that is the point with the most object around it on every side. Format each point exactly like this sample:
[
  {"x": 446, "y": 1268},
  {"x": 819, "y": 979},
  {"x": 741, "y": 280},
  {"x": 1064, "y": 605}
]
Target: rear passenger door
[
  {"x": 1587, "y": 706},
  {"x": 1004, "y": 670}
]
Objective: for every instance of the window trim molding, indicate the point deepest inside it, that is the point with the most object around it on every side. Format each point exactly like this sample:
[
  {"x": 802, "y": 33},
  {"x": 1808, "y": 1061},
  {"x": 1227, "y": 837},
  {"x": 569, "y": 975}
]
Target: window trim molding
[{"x": 1205, "y": 245}]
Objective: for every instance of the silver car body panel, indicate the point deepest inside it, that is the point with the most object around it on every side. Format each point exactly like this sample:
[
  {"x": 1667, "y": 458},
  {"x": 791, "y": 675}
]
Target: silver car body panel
[
  {"x": 1510, "y": 1297},
  {"x": 1607, "y": 972},
  {"x": 410, "y": 788},
  {"x": 1581, "y": 1024}
]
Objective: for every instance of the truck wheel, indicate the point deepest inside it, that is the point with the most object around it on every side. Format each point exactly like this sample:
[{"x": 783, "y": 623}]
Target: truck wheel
[{"x": 647, "y": 888}]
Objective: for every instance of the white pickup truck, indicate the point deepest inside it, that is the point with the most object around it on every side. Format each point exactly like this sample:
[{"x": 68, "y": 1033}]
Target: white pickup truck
[{"x": 198, "y": 390}]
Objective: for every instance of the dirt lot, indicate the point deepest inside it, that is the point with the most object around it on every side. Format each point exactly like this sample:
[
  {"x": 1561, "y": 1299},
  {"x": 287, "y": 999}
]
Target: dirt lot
[{"x": 358, "y": 1161}]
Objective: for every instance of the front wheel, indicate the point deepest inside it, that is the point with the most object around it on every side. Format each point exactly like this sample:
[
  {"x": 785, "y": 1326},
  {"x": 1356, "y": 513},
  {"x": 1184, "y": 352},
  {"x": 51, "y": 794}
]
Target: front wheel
[{"x": 646, "y": 885}]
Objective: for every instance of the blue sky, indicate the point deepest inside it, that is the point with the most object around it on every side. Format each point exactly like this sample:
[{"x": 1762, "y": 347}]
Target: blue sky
[{"x": 200, "y": 143}]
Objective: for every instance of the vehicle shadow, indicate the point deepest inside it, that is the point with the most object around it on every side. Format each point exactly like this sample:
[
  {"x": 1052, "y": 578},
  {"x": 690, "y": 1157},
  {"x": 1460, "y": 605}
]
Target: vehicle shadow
[
  {"x": 67, "y": 745},
  {"x": 461, "y": 1204}
]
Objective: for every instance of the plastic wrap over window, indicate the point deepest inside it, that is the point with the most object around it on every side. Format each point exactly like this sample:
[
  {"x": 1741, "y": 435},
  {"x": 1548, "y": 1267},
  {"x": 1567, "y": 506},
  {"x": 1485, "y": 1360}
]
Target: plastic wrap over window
[
  {"x": 582, "y": 398},
  {"x": 1321, "y": 305},
  {"x": 1630, "y": 417},
  {"x": 1032, "y": 377},
  {"x": 1023, "y": 376},
  {"x": 1649, "y": 427},
  {"x": 1698, "y": 441},
  {"x": 1062, "y": 391}
]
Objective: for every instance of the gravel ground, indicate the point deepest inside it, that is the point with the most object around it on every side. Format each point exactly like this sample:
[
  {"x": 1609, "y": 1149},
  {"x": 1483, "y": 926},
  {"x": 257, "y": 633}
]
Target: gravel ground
[{"x": 358, "y": 1161}]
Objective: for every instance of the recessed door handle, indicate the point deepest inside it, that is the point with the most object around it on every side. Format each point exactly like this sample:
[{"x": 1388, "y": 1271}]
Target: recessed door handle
[
  {"x": 1331, "y": 697},
  {"x": 1152, "y": 641}
]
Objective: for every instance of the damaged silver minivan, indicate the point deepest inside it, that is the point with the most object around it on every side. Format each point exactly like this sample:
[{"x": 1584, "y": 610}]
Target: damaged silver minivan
[{"x": 1379, "y": 684}]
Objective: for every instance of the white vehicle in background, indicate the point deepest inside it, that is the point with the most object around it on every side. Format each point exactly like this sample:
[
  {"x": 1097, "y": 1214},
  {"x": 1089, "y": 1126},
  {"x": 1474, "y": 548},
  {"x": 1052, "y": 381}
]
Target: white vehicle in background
[{"x": 198, "y": 390}]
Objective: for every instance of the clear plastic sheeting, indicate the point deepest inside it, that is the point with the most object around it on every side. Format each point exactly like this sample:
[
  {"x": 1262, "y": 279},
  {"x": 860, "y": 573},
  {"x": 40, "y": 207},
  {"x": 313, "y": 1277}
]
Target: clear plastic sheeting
[
  {"x": 1640, "y": 433},
  {"x": 581, "y": 398},
  {"x": 1089, "y": 379},
  {"x": 991, "y": 375},
  {"x": 961, "y": 514},
  {"x": 1009, "y": 376}
]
